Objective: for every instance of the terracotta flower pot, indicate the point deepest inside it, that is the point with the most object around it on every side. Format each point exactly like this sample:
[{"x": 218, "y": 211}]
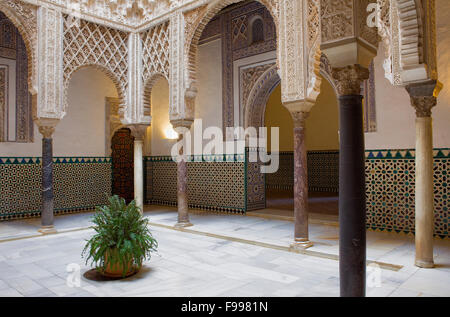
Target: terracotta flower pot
[{"x": 116, "y": 270}]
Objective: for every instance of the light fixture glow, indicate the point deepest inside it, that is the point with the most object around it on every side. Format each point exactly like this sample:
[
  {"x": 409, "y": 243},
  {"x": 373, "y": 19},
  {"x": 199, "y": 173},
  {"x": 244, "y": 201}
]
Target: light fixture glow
[{"x": 171, "y": 134}]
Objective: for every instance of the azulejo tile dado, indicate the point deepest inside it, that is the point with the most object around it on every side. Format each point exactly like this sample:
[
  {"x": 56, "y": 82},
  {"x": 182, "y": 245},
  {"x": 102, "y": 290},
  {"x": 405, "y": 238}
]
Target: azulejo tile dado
[
  {"x": 200, "y": 158},
  {"x": 212, "y": 185},
  {"x": 80, "y": 183},
  {"x": 404, "y": 154},
  {"x": 56, "y": 160},
  {"x": 390, "y": 190}
]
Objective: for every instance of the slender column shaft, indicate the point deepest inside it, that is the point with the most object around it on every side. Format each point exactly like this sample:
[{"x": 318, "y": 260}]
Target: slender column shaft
[
  {"x": 138, "y": 174},
  {"x": 352, "y": 191},
  {"x": 424, "y": 193},
  {"x": 47, "y": 183},
  {"x": 183, "y": 210},
  {"x": 352, "y": 199},
  {"x": 300, "y": 181},
  {"x": 423, "y": 99},
  {"x": 46, "y": 128},
  {"x": 138, "y": 131}
]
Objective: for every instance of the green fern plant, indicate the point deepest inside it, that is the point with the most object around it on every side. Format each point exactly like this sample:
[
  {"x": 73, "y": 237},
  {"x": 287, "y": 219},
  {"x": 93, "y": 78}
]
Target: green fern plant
[{"x": 122, "y": 237}]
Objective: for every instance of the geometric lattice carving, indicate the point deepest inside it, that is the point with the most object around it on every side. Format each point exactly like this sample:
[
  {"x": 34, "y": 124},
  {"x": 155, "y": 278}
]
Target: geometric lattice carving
[
  {"x": 155, "y": 51},
  {"x": 156, "y": 59},
  {"x": 90, "y": 44}
]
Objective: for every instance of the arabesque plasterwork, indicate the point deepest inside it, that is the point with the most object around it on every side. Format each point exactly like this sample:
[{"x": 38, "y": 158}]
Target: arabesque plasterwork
[
  {"x": 24, "y": 17},
  {"x": 407, "y": 30},
  {"x": 90, "y": 44},
  {"x": 148, "y": 38}
]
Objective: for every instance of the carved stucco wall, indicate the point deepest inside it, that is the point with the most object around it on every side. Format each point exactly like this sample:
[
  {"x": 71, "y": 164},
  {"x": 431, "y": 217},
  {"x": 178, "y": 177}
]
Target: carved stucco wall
[
  {"x": 195, "y": 20},
  {"x": 155, "y": 59},
  {"x": 395, "y": 115},
  {"x": 90, "y": 44},
  {"x": 407, "y": 31},
  {"x": 232, "y": 26},
  {"x": 24, "y": 18},
  {"x": 12, "y": 47},
  {"x": 82, "y": 131}
]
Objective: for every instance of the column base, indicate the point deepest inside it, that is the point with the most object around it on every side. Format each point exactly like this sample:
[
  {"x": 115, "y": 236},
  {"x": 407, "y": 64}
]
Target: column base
[
  {"x": 183, "y": 224},
  {"x": 424, "y": 264},
  {"x": 302, "y": 244},
  {"x": 47, "y": 230}
]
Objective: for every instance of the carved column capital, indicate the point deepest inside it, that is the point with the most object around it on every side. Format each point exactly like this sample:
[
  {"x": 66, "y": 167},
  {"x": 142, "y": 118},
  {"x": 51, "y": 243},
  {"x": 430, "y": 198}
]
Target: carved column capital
[
  {"x": 423, "y": 105},
  {"x": 348, "y": 79},
  {"x": 46, "y": 126},
  {"x": 138, "y": 131},
  {"x": 299, "y": 118},
  {"x": 424, "y": 97},
  {"x": 46, "y": 131},
  {"x": 181, "y": 125}
]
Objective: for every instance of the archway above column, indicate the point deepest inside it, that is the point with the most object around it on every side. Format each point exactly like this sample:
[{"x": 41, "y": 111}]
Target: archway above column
[
  {"x": 24, "y": 18},
  {"x": 196, "y": 21},
  {"x": 255, "y": 101},
  {"x": 148, "y": 86},
  {"x": 89, "y": 44},
  {"x": 407, "y": 31}
]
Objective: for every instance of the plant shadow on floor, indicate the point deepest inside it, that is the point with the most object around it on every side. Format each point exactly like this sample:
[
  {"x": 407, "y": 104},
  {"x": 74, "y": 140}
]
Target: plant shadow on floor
[{"x": 94, "y": 275}]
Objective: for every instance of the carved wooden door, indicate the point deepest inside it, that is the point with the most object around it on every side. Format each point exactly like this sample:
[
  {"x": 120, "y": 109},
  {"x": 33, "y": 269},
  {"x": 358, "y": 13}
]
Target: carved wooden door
[{"x": 122, "y": 145}]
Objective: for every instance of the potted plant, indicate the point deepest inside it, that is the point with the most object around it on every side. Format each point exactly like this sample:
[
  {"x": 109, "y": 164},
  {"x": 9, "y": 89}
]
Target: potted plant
[{"x": 122, "y": 240}]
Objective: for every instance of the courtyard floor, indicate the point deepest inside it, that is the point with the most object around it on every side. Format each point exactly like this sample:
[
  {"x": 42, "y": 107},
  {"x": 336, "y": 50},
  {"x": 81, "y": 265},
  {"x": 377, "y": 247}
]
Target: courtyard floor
[{"x": 221, "y": 255}]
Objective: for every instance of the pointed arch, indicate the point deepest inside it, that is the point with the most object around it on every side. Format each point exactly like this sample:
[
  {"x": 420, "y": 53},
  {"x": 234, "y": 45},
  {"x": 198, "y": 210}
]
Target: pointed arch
[
  {"x": 148, "y": 86},
  {"x": 254, "y": 106},
  {"x": 196, "y": 21},
  {"x": 24, "y": 18},
  {"x": 108, "y": 73}
]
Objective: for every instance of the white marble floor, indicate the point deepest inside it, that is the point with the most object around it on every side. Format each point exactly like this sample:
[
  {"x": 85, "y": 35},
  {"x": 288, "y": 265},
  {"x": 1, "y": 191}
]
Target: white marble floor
[{"x": 221, "y": 255}]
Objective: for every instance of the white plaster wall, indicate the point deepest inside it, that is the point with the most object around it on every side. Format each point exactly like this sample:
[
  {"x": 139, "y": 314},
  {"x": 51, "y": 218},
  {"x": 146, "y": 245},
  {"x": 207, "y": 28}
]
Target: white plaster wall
[
  {"x": 156, "y": 136},
  {"x": 208, "y": 105},
  {"x": 82, "y": 131},
  {"x": 396, "y": 116}
]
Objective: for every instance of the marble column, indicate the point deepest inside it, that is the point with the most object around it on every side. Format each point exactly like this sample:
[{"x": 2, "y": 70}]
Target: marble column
[
  {"x": 352, "y": 199},
  {"x": 183, "y": 208},
  {"x": 423, "y": 100},
  {"x": 301, "y": 237},
  {"x": 138, "y": 131},
  {"x": 47, "y": 217}
]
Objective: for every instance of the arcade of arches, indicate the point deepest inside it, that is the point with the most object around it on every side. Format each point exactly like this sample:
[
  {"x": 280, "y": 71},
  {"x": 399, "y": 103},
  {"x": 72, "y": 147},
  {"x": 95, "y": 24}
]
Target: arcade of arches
[{"x": 92, "y": 103}]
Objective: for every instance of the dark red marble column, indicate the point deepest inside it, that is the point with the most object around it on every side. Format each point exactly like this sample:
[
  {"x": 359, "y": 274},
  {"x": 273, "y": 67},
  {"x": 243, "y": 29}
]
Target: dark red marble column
[
  {"x": 183, "y": 209},
  {"x": 301, "y": 235}
]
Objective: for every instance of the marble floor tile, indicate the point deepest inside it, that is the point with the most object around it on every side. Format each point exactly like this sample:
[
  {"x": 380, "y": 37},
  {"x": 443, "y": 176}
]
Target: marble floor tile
[{"x": 193, "y": 264}]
